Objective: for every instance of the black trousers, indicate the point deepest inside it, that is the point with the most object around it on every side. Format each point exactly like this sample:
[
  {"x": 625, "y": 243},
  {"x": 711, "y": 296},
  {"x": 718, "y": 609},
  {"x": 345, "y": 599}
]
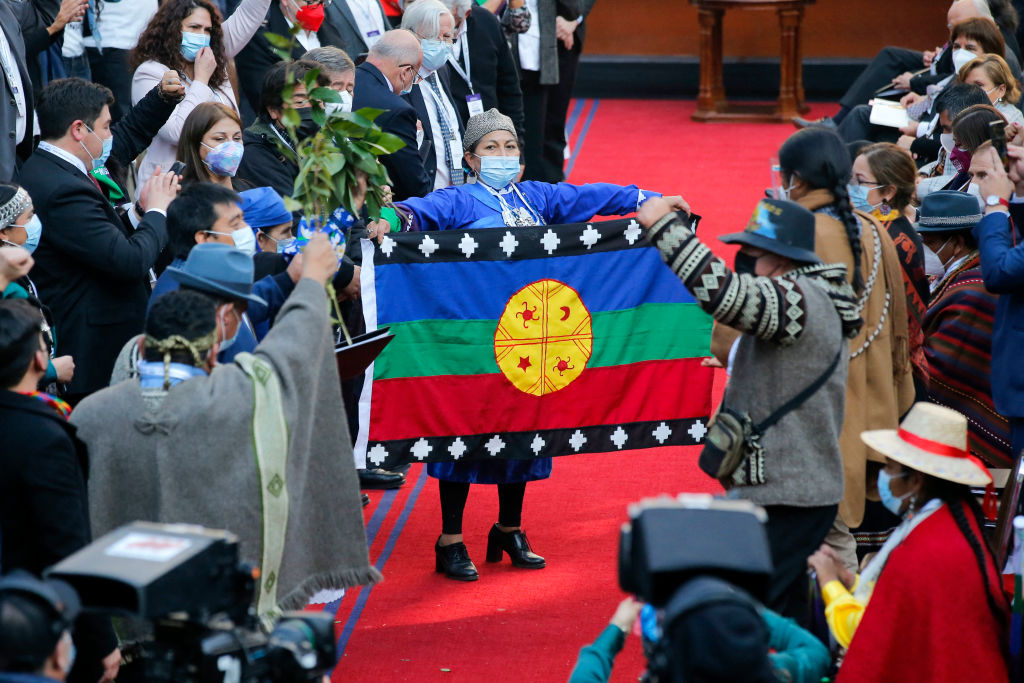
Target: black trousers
[
  {"x": 553, "y": 152},
  {"x": 535, "y": 112},
  {"x": 857, "y": 126},
  {"x": 887, "y": 65},
  {"x": 111, "y": 69},
  {"x": 453, "y": 504},
  {"x": 794, "y": 533}
]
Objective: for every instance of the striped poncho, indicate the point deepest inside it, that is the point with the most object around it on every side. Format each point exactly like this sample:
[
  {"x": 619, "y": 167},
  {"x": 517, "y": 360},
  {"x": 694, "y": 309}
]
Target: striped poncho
[{"x": 958, "y": 344}]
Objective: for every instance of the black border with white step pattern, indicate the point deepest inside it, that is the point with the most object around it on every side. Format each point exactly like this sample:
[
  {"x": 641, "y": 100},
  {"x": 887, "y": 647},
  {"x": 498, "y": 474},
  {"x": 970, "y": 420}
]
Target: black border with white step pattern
[
  {"x": 520, "y": 445},
  {"x": 486, "y": 244}
]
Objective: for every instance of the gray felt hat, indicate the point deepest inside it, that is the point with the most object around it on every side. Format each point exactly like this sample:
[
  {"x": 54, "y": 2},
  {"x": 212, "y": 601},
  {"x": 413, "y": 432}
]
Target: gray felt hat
[{"x": 482, "y": 124}]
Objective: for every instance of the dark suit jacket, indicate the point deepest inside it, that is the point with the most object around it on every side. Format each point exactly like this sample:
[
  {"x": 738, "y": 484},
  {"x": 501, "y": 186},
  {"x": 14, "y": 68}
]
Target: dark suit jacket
[
  {"x": 430, "y": 155},
  {"x": 44, "y": 511},
  {"x": 547, "y": 11},
  {"x": 409, "y": 178},
  {"x": 258, "y": 56},
  {"x": 339, "y": 15},
  {"x": 494, "y": 76},
  {"x": 90, "y": 269},
  {"x": 10, "y": 24}
]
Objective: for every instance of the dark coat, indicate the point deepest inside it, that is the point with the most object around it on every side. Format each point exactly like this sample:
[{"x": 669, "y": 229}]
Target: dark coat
[
  {"x": 258, "y": 56},
  {"x": 409, "y": 177},
  {"x": 9, "y": 24},
  {"x": 44, "y": 511},
  {"x": 432, "y": 157},
  {"x": 547, "y": 12},
  {"x": 90, "y": 269},
  {"x": 134, "y": 133},
  {"x": 494, "y": 73},
  {"x": 262, "y": 162},
  {"x": 340, "y": 17}
]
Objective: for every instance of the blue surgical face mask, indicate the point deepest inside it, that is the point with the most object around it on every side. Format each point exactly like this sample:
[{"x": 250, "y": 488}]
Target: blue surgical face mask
[
  {"x": 282, "y": 243},
  {"x": 435, "y": 54},
  {"x": 34, "y": 228},
  {"x": 108, "y": 144},
  {"x": 892, "y": 503},
  {"x": 192, "y": 43},
  {"x": 406, "y": 90},
  {"x": 498, "y": 172},
  {"x": 859, "y": 197}
]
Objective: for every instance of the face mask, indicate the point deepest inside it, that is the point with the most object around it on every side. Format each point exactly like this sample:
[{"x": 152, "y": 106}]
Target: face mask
[
  {"x": 310, "y": 17},
  {"x": 498, "y": 172},
  {"x": 101, "y": 160},
  {"x": 933, "y": 266},
  {"x": 192, "y": 43},
  {"x": 946, "y": 140},
  {"x": 960, "y": 158},
  {"x": 891, "y": 502},
  {"x": 745, "y": 263},
  {"x": 72, "y": 653},
  {"x": 406, "y": 90},
  {"x": 859, "y": 197},
  {"x": 783, "y": 192},
  {"x": 224, "y": 159},
  {"x": 345, "y": 105},
  {"x": 961, "y": 57},
  {"x": 245, "y": 240},
  {"x": 308, "y": 128},
  {"x": 228, "y": 343},
  {"x": 975, "y": 192},
  {"x": 435, "y": 54},
  {"x": 34, "y": 228},
  {"x": 282, "y": 244}
]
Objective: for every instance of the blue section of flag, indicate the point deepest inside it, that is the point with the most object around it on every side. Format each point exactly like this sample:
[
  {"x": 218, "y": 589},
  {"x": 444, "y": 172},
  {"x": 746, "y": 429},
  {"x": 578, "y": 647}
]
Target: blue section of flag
[{"x": 479, "y": 290}]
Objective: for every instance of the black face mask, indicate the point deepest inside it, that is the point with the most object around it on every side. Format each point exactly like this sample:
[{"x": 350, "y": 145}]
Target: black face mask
[
  {"x": 745, "y": 263},
  {"x": 308, "y": 127}
]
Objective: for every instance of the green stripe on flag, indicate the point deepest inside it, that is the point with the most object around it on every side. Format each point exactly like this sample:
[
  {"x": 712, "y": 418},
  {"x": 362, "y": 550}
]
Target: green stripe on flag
[{"x": 423, "y": 348}]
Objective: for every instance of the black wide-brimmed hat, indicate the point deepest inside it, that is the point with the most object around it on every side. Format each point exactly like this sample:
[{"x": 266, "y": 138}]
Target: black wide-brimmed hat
[
  {"x": 947, "y": 211},
  {"x": 220, "y": 270},
  {"x": 781, "y": 227}
]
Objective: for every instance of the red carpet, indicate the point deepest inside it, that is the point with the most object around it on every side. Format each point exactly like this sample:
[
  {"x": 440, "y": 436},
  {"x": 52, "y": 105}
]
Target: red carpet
[{"x": 523, "y": 625}]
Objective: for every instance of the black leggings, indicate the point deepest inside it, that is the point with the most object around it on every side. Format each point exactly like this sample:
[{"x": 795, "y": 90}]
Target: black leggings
[{"x": 453, "y": 504}]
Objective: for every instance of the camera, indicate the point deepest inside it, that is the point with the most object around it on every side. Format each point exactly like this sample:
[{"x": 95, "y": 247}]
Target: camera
[{"x": 188, "y": 584}]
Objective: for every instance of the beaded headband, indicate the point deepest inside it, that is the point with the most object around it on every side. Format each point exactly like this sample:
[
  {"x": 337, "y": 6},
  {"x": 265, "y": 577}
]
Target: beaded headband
[{"x": 14, "y": 207}]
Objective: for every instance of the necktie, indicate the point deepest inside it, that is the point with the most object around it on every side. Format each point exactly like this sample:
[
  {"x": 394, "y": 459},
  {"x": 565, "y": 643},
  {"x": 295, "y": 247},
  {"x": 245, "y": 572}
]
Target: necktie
[
  {"x": 446, "y": 131},
  {"x": 95, "y": 182}
]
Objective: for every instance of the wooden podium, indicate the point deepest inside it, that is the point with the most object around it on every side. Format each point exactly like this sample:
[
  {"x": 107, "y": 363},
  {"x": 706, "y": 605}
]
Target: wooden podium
[{"x": 711, "y": 102}]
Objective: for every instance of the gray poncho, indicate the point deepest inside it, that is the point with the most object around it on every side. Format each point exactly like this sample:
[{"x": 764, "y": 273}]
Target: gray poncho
[{"x": 189, "y": 457}]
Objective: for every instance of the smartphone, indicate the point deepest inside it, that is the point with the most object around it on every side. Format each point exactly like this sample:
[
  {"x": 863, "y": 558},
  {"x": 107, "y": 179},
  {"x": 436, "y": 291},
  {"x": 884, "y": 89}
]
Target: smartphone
[
  {"x": 997, "y": 133},
  {"x": 178, "y": 167}
]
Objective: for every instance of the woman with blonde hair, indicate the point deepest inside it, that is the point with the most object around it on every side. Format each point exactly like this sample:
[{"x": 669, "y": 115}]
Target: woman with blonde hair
[{"x": 992, "y": 74}]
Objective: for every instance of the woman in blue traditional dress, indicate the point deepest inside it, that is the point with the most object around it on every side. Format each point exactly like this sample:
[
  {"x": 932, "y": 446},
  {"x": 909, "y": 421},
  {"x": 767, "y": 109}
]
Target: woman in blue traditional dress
[{"x": 496, "y": 200}]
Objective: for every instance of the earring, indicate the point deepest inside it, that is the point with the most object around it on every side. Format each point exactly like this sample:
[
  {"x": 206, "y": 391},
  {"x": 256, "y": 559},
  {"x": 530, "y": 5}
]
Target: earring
[{"x": 885, "y": 208}]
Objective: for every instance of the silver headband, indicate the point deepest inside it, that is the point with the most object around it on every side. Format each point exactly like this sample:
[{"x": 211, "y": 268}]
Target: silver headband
[{"x": 14, "y": 208}]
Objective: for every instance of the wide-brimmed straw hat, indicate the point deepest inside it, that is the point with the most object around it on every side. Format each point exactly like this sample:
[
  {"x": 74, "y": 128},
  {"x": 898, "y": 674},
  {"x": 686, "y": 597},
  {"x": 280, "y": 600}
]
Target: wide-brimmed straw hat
[{"x": 931, "y": 439}]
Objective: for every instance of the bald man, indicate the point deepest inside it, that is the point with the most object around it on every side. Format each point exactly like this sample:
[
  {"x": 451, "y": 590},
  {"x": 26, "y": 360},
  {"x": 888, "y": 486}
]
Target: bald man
[{"x": 389, "y": 70}]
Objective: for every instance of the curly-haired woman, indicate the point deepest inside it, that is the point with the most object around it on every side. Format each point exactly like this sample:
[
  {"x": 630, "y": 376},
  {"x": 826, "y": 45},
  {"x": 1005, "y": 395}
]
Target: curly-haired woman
[{"x": 190, "y": 37}]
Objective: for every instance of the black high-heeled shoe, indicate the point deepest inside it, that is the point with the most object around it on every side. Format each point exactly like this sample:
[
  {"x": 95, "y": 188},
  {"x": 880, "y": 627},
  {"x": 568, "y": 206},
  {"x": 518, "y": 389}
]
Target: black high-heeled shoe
[
  {"x": 453, "y": 561},
  {"x": 516, "y": 545}
]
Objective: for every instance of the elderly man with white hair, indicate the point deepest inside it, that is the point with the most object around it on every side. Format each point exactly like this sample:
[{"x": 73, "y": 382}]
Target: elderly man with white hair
[
  {"x": 483, "y": 71},
  {"x": 897, "y": 66},
  {"x": 391, "y": 69},
  {"x": 441, "y": 141}
]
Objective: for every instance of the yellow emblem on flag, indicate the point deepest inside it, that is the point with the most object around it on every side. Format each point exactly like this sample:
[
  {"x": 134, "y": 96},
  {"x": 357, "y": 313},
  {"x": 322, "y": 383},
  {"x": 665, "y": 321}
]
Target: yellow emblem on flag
[{"x": 544, "y": 337}]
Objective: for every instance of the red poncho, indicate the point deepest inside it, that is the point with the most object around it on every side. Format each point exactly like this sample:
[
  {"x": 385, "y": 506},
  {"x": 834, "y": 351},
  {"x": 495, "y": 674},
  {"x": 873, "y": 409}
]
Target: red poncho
[{"x": 928, "y": 619}]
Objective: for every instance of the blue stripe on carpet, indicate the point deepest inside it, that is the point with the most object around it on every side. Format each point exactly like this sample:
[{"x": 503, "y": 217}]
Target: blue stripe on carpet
[
  {"x": 380, "y": 513},
  {"x": 570, "y": 125},
  {"x": 364, "y": 594},
  {"x": 579, "y": 141}
]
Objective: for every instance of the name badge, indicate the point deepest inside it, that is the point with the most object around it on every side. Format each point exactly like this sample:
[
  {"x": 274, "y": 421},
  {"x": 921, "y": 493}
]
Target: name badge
[
  {"x": 373, "y": 34},
  {"x": 475, "y": 104}
]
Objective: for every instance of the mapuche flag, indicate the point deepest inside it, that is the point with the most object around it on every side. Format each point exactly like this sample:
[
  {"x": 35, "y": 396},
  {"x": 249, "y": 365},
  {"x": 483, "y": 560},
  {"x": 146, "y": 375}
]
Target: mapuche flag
[{"x": 529, "y": 342}]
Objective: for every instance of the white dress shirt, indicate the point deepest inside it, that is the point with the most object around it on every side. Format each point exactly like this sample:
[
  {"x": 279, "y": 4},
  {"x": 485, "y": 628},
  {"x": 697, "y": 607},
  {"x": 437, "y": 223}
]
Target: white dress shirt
[
  {"x": 13, "y": 77},
  {"x": 529, "y": 42},
  {"x": 121, "y": 23},
  {"x": 308, "y": 39},
  {"x": 369, "y": 18},
  {"x": 442, "y": 178},
  {"x": 66, "y": 156}
]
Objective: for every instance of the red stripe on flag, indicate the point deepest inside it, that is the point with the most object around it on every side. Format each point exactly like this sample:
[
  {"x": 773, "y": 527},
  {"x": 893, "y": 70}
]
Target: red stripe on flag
[{"x": 454, "y": 405}]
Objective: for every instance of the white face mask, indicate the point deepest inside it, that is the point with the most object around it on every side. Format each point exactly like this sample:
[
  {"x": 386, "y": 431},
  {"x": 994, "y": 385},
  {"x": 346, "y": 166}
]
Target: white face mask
[
  {"x": 946, "y": 140},
  {"x": 975, "y": 192},
  {"x": 933, "y": 264},
  {"x": 961, "y": 57}
]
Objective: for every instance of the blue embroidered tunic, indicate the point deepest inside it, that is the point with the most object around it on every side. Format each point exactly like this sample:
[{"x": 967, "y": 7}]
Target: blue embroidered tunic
[{"x": 471, "y": 206}]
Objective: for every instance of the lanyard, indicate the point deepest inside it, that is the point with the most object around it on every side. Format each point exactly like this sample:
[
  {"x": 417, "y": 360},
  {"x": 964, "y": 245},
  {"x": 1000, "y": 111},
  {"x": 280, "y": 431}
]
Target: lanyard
[
  {"x": 367, "y": 15},
  {"x": 11, "y": 72},
  {"x": 453, "y": 60}
]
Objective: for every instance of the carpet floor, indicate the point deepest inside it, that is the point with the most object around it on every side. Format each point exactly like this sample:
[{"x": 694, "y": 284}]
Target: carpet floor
[{"x": 523, "y": 625}]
